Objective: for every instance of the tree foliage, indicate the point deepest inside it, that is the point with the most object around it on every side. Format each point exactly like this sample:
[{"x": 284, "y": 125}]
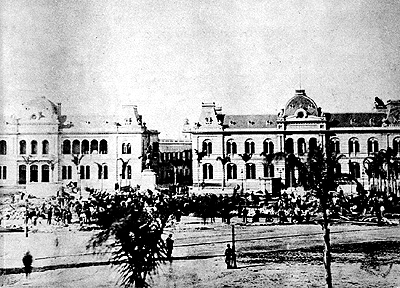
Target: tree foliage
[
  {"x": 200, "y": 154},
  {"x": 246, "y": 156},
  {"x": 131, "y": 229}
]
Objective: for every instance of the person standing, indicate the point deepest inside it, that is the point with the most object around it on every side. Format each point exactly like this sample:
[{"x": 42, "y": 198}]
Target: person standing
[
  {"x": 228, "y": 256},
  {"x": 170, "y": 247},
  {"x": 245, "y": 212},
  {"x": 27, "y": 261},
  {"x": 49, "y": 214}
]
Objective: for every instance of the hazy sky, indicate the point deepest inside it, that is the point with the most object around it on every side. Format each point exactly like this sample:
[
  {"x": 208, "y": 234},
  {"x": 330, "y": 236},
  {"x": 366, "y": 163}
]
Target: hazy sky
[{"x": 168, "y": 56}]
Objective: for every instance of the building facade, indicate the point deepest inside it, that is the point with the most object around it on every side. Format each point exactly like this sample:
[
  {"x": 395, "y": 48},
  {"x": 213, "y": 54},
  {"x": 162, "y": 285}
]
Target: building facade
[
  {"x": 232, "y": 150},
  {"x": 175, "y": 162},
  {"x": 42, "y": 149}
]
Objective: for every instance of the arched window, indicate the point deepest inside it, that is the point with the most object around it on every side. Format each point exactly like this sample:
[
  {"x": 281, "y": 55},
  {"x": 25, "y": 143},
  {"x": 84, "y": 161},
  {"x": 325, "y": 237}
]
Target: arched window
[
  {"x": 207, "y": 171},
  {"x": 396, "y": 146},
  {"x": 231, "y": 147},
  {"x": 268, "y": 146},
  {"x": 126, "y": 148},
  {"x": 250, "y": 171},
  {"x": 355, "y": 169},
  {"x": 373, "y": 145},
  {"x": 22, "y": 147},
  {"x": 34, "y": 173},
  {"x": 22, "y": 174},
  {"x": 232, "y": 171},
  {"x": 66, "y": 172},
  {"x": 207, "y": 147},
  {"x": 45, "y": 147},
  {"x": 66, "y": 147},
  {"x": 76, "y": 147},
  {"x": 289, "y": 145},
  {"x": 334, "y": 145},
  {"x": 85, "y": 146},
  {"x": 338, "y": 169},
  {"x": 354, "y": 146},
  {"x": 103, "y": 147},
  {"x": 249, "y": 146},
  {"x": 269, "y": 170},
  {"x": 312, "y": 144},
  {"x": 45, "y": 173},
  {"x": 3, "y": 147},
  {"x": 301, "y": 146},
  {"x": 94, "y": 147},
  {"x": 85, "y": 172},
  {"x": 34, "y": 147}
]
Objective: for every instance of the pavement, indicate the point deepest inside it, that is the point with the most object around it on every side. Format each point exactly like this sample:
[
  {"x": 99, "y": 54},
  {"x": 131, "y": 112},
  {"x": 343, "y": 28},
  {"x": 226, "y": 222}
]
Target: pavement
[{"x": 54, "y": 246}]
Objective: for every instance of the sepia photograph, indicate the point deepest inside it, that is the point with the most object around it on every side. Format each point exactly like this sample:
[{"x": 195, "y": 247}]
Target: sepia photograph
[{"x": 184, "y": 143}]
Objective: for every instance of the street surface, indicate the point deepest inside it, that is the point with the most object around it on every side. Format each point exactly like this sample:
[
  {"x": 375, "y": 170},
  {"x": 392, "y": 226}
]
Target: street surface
[{"x": 199, "y": 259}]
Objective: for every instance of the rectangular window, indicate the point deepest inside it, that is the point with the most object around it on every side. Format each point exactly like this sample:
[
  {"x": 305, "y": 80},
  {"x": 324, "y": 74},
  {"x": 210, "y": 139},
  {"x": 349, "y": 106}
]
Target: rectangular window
[
  {"x": 64, "y": 172},
  {"x": 87, "y": 172},
  {"x": 129, "y": 168},
  {"x": 3, "y": 172},
  {"x": 100, "y": 172},
  {"x": 69, "y": 172},
  {"x": 82, "y": 172},
  {"x": 105, "y": 172}
]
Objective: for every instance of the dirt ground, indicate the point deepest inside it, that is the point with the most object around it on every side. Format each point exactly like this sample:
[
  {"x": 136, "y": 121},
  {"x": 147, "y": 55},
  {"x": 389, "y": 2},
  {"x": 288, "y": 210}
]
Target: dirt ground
[
  {"x": 268, "y": 256},
  {"x": 212, "y": 273}
]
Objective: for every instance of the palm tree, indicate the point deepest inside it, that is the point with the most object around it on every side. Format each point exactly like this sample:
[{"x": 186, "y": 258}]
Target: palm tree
[
  {"x": 76, "y": 159},
  {"x": 379, "y": 166},
  {"x": 100, "y": 167},
  {"x": 388, "y": 156},
  {"x": 369, "y": 168},
  {"x": 334, "y": 163},
  {"x": 246, "y": 157},
  {"x": 28, "y": 161},
  {"x": 291, "y": 162},
  {"x": 124, "y": 167},
  {"x": 132, "y": 234},
  {"x": 200, "y": 155},
  {"x": 223, "y": 160},
  {"x": 321, "y": 179},
  {"x": 52, "y": 162}
]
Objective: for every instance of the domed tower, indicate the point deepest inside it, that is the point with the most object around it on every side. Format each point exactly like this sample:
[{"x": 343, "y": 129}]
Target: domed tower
[
  {"x": 38, "y": 145},
  {"x": 39, "y": 110},
  {"x": 303, "y": 128},
  {"x": 300, "y": 106}
]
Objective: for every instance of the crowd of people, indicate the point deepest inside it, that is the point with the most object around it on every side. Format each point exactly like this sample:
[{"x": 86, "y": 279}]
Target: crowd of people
[{"x": 288, "y": 207}]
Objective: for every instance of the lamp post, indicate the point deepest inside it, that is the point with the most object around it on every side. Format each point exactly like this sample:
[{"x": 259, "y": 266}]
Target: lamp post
[
  {"x": 241, "y": 173},
  {"x": 117, "y": 125},
  {"x": 26, "y": 217},
  {"x": 280, "y": 178},
  {"x": 233, "y": 247}
]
